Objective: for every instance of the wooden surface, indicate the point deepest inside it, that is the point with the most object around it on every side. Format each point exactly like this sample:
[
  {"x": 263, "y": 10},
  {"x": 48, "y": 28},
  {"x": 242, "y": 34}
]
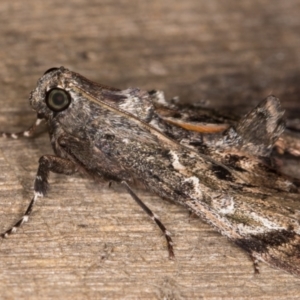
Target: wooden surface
[{"x": 86, "y": 241}]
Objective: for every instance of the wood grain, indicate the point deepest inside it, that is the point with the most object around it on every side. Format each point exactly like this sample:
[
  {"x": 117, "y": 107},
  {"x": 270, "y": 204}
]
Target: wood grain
[{"x": 86, "y": 241}]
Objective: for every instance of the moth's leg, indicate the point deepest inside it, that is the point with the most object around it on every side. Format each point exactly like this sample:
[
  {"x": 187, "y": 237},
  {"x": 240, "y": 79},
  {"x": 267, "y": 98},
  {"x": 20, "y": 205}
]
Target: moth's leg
[
  {"x": 47, "y": 163},
  {"x": 153, "y": 217},
  {"x": 255, "y": 263},
  {"x": 27, "y": 133}
]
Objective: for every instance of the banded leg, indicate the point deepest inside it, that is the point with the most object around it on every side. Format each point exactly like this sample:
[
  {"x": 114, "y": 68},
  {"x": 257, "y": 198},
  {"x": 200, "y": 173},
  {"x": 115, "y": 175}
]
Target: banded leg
[
  {"x": 27, "y": 133},
  {"x": 47, "y": 163},
  {"x": 153, "y": 217},
  {"x": 255, "y": 262}
]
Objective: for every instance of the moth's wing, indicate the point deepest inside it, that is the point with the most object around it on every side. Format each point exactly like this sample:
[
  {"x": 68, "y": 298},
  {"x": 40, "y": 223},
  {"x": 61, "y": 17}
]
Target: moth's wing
[
  {"x": 255, "y": 133},
  {"x": 286, "y": 256},
  {"x": 278, "y": 248},
  {"x": 200, "y": 127},
  {"x": 195, "y": 119},
  {"x": 258, "y": 130},
  {"x": 108, "y": 139},
  {"x": 91, "y": 161},
  {"x": 269, "y": 228}
]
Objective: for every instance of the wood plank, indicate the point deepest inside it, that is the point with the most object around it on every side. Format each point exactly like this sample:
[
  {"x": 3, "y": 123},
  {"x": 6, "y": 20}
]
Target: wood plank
[{"x": 89, "y": 241}]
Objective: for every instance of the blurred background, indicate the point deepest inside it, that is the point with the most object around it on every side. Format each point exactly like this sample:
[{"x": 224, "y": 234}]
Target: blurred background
[
  {"x": 224, "y": 54},
  {"x": 220, "y": 53}
]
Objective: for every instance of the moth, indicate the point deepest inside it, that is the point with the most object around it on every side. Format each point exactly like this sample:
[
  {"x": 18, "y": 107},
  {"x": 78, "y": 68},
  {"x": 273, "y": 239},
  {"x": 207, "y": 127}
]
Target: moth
[{"x": 218, "y": 168}]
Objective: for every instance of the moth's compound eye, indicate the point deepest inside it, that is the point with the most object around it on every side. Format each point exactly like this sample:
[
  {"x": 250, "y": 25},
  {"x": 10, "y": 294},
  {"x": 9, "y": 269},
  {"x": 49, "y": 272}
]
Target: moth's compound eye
[{"x": 58, "y": 99}]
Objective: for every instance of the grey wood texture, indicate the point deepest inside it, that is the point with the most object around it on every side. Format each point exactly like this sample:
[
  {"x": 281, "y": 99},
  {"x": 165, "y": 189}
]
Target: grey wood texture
[{"x": 86, "y": 241}]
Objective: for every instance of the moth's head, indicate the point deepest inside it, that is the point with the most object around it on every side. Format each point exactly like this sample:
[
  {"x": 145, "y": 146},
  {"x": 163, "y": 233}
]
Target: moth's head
[{"x": 51, "y": 94}]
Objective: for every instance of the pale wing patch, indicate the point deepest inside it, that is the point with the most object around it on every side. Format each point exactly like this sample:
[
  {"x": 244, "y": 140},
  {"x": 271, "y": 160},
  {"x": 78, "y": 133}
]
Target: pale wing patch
[{"x": 175, "y": 162}]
